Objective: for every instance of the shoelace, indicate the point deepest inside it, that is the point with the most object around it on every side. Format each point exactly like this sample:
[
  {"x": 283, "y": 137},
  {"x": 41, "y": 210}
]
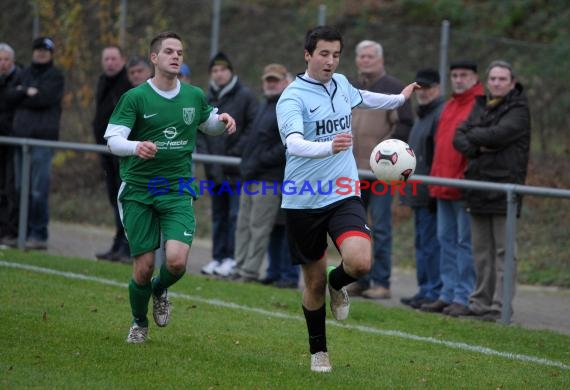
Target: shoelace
[
  {"x": 162, "y": 303},
  {"x": 137, "y": 334}
]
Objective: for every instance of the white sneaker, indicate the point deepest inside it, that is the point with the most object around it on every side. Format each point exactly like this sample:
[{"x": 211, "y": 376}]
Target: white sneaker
[
  {"x": 226, "y": 268},
  {"x": 340, "y": 302},
  {"x": 320, "y": 362},
  {"x": 161, "y": 309},
  {"x": 209, "y": 268},
  {"x": 137, "y": 334}
]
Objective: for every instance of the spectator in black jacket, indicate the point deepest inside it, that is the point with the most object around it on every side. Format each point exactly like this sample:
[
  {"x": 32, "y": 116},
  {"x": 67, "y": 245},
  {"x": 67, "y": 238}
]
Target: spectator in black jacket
[
  {"x": 496, "y": 141},
  {"x": 421, "y": 140},
  {"x": 262, "y": 170},
  {"x": 112, "y": 83},
  {"x": 9, "y": 77},
  {"x": 37, "y": 99},
  {"x": 230, "y": 96}
]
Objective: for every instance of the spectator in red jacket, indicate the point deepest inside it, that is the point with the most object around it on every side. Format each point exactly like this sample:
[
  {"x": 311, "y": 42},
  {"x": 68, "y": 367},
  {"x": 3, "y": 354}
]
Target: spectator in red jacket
[{"x": 453, "y": 225}]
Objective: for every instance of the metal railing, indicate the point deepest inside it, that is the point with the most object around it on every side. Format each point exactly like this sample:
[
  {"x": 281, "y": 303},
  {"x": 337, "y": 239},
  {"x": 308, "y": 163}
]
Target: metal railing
[{"x": 510, "y": 189}]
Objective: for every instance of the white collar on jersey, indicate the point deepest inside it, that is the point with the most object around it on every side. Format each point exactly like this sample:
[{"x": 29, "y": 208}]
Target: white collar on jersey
[
  {"x": 327, "y": 85},
  {"x": 165, "y": 94}
]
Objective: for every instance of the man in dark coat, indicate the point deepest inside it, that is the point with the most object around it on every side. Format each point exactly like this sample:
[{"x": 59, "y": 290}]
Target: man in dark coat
[
  {"x": 421, "y": 140},
  {"x": 37, "y": 98},
  {"x": 496, "y": 141},
  {"x": 9, "y": 77},
  {"x": 230, "y": 96},
  {"x": 111, "y": 85}
]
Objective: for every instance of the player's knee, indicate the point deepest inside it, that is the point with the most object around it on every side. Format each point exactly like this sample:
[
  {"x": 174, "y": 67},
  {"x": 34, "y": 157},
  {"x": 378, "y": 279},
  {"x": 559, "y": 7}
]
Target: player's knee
[
  {"x": 315, "y": 287},
  {"x": 359, "y": 266},
  {"x": 143, "y": 274},
  {"x": 177, "y": 265}
]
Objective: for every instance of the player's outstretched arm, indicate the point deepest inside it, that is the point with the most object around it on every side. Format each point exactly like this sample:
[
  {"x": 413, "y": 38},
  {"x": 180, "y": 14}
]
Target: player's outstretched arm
[{"x": 409, "y": 89}]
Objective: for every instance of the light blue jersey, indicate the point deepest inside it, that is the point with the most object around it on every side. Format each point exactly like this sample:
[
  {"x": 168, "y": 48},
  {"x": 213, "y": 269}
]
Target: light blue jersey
[{"x": 310, "y": 109}]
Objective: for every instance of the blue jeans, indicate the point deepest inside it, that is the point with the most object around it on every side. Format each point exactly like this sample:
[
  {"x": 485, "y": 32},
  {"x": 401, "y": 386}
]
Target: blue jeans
[
  {"x": 456, "y": 267},
  {"x": 38, "y": 212},
  {"x": 280, "y": 266},
  {"x": 380, "y": 207},
  {"x": 427, "y": 254},
  {"x": 225, "y": 207}
]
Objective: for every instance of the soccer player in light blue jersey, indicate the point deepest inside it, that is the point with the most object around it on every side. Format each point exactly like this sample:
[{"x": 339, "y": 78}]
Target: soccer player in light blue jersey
[
  {"x": 153, "y": 129},
  {"x": 314, "y": 117}
]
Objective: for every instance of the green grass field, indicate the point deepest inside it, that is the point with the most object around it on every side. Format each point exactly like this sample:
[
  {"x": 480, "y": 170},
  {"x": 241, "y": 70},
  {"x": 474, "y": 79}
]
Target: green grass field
[{"x": 64, "y": 323}]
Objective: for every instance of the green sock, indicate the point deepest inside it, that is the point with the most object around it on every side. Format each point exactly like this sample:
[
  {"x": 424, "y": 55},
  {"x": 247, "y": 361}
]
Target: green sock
[
  {"x": 139, "y": 297},
  {"x": 164, "y": 280}
]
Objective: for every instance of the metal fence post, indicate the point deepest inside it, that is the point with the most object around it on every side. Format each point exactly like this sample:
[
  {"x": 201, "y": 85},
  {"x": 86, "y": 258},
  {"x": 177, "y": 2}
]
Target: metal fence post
[
  {"x": 24, "y": 197},
  {"x": 509, "y": 271},
  {"x": 443, "y": 55}
]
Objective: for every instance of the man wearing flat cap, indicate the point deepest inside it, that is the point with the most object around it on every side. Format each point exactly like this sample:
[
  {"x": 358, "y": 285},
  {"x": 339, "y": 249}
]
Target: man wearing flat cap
[
  {"x": 453, "y": 224},
  {"x": 37, "y": 99},
  {"x": 421, "y": 140}
]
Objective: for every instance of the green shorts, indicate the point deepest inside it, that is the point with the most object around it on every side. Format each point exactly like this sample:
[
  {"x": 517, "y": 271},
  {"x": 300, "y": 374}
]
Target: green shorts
[{"x": 145, "y": 216}]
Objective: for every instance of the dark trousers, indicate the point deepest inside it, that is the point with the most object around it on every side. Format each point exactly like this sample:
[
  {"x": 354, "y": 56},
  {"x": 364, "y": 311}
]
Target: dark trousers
[
  {"x": 110, "y": 166},
  {"x": 225, "y": 207},
  {"x": 280, "y": 266},
  {"x": 9, "y": 202}
]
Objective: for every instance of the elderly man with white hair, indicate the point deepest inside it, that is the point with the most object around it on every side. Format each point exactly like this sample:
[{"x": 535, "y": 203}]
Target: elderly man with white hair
[{"x": 9, "y": 74}]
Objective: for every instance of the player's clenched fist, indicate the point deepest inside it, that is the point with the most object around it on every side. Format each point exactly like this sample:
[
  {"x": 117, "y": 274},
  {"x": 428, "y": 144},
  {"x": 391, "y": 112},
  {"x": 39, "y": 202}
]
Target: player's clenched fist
[
  {"x": 146, "y": 150},
  {"x": 341, "y": 142}
]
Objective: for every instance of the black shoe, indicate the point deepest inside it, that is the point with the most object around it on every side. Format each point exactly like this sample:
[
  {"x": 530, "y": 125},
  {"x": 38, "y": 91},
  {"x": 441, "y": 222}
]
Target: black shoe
[
  {"x": 268, "y": 280},
  {"x": 435, "y": 307},
  {"x": 417, "y": 303},
  {"x": 121, "y": 258},
  {"x": 109, "y": 255},
  {"x": 408, "y": 300},
  {"x": 122, "y": 255}
]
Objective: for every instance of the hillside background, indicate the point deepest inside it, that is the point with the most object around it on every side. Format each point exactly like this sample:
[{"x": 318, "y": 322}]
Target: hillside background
[{"x": 533, "y": 35}]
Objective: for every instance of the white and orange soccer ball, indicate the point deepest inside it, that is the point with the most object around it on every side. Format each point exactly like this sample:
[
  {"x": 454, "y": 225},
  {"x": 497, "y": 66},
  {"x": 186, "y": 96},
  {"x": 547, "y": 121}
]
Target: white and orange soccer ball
[{"x": 392, "y": 160}]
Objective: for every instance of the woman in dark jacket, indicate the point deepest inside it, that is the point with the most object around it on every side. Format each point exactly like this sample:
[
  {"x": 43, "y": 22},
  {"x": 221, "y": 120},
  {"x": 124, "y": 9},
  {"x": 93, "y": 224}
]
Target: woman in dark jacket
[{"x": 496, "y": 141}]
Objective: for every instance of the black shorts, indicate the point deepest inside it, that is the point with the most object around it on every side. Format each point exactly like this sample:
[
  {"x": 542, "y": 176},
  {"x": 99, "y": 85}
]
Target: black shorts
[{"x": 307, "y": 229}]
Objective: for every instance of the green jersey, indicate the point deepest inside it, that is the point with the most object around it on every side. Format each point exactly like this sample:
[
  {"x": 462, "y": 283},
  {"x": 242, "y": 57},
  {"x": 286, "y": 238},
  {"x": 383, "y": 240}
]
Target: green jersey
[{"x": 171, "y": 124}]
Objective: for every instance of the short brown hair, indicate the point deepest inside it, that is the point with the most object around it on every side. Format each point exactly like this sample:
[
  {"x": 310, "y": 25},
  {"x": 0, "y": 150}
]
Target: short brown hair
[
  {"x": 156, "y": 42},
  {"x": 502, "y": 64}
]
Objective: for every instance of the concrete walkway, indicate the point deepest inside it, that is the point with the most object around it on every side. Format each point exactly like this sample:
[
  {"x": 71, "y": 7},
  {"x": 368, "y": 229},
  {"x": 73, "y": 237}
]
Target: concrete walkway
[{"x": 535, "y": 307}]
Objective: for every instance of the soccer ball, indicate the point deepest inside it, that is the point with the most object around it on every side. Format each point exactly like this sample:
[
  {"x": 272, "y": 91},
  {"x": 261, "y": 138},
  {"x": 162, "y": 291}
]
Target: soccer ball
[{"x": 392, "y": 159}]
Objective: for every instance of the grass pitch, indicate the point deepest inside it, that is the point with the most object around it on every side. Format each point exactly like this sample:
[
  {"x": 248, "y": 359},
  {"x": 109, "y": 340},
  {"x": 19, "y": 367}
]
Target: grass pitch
[{"x": 64, "y": 323}]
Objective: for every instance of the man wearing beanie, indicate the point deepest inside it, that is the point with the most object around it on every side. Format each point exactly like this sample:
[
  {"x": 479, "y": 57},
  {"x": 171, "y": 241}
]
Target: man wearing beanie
[
  {"x": 37, "y": 99},
  {"x": 453, "y": 226},
  {"x": 228, "y": 94}
]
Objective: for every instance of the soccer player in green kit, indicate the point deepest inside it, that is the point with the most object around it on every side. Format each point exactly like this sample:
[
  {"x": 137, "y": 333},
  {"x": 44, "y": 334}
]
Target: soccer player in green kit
[{"x": 153, "y": 129}]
